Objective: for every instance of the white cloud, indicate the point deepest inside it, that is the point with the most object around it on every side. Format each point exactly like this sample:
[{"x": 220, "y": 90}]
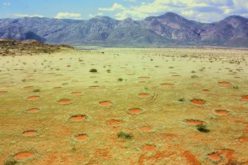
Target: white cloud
[
  {"x": 114, "y": 7},
  {"x": 26, "y": 15},
  {"x": 200, "y": 10},
  {"x": 6, "y": 4},
  {"x": 130, "y": 1},
  {"x": 68, "y": 15}
]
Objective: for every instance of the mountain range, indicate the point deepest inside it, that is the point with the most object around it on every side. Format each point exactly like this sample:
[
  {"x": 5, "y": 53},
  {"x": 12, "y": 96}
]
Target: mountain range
[{"x": 169, "y": 29}]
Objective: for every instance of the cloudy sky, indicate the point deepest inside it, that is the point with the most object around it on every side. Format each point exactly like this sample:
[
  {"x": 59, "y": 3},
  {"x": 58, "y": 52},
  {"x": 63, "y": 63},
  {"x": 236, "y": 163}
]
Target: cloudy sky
[{"x": 200, "y": 10}]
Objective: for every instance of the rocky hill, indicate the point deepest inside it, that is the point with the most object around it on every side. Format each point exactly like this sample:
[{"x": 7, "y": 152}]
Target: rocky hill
[
  {"x": 27, "y": 47},
  {"x": 169, "y": 29}
]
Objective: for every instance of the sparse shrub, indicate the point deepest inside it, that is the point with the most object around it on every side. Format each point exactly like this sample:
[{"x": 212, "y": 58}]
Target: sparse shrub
[
  {"x": 194, "y": 76},
  {"x": 93, "y": 70},
  {"x": 181, "y": 99},
  {"x": 74, "y": 149},
  {"x": 124, "y": 135},
  {"x": 10, "y": 162},
  {"x": 36, "y": 90},
  {"x": 202, "y": 128},
  {"x": 120, "y": 79},
  {"x": 235, "y": 87}
]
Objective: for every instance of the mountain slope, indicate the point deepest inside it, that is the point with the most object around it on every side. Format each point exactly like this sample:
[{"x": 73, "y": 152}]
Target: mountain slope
[{"x": 169, "y": 29}]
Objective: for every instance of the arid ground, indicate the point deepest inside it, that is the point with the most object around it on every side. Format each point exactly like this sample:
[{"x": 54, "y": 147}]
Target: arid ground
[{"x": 125, "y": 107}]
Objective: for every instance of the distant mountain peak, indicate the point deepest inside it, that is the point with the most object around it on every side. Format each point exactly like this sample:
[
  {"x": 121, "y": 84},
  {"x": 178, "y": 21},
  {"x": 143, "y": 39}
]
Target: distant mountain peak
[
  {"x": 170, "y": 14},
  {"x": 102, "y": 18},
  {"x": 236, "y": 17}
]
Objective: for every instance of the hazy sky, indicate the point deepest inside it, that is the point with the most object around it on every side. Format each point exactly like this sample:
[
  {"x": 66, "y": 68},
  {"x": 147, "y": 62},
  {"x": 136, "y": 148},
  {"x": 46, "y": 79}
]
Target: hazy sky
[{"x": 200, "y": 10}]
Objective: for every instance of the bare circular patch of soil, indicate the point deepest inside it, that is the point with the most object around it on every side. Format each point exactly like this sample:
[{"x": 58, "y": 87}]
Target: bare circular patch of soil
[
  {"x": 191, "y": 158},
  {"x": 167, "y": 84},
  {"x": 33, "y": 98},
  {"x": 214, "y": 156},
  {"x": 149, "y": 147},
  {"x": 28, "y": 87},
  {"x": 221, "y": 112},
  {"x": 81, "y": 137},
  {"x": 57, "y": 87},
  {"x": 76, "y": 93},
  {"x": 23, "y": 155},
  {"x": 144, "y": 77},
  {"x": 146, "y": 128},
  {"x": 227, "y": 154},
  {"x": 198, "y": 101},
  {"x": 105, "y": 103},
  {"x": 29, "y": 133},
  {"x": 243, "y": 139},
  {"x": 33, "y": 110},
  {"x": 3, "y": 92},
  {"x": 64, "y": 101},
  {"x": 144, "y": 95},
  {"x": 142, "y": 82},
  {"x": 224, "y": 84},
  {"x": 135, "y": 111},
  {"x": 114, "y": 122},
  {"x": 244, "y": 98},
  {"x": 94, "y": 86},
  {"x": 78, "y": 117},
  {"x": 194, "y": 122}
]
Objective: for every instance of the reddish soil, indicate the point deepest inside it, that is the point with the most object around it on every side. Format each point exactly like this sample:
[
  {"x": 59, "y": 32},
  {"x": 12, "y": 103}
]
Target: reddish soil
[
  {"x": 225, "y": 84},
  {"x": 198, "y": 101},
  {"x": 244, "y": 98},
  {"x": 221, "y": 112},
  {"x": 215, "y": 156},
  {"x": 146, "y": 128},
  {"x": 135, "y": 111},
  {"x": 105, "y": 103},
  {"x": 114, "y": 122},
  {"x": 194, "y": 122},
  {"x": 103, "y": 153},
  {"x": 144, "y": 95},
  {"x": 192, "y": 160},
  {"x": 33, "y": 110},
  {"x": 33, "y": 98},
  {"x": 64, "y": 101},
  {"x": 149, "y": 147},
  {"x": 29, "y": 133},
  {"x": 243, "y": 139},
  {"x": 23, "y": 155},
  {"x": 78, "y": 118},
  {"x": 81, "y": 137}
]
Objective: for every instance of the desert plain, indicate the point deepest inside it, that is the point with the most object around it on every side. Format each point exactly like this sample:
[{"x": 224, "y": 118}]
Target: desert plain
[{"x": 119, "y": 106}]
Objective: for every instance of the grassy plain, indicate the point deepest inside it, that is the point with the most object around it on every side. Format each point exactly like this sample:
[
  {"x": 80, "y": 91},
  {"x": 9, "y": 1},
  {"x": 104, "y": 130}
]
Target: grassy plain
[{"x": 125, "y": 106}]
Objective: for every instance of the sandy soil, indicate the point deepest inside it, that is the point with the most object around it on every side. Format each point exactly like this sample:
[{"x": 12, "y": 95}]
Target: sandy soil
[{"x": 140, "y": 106}]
